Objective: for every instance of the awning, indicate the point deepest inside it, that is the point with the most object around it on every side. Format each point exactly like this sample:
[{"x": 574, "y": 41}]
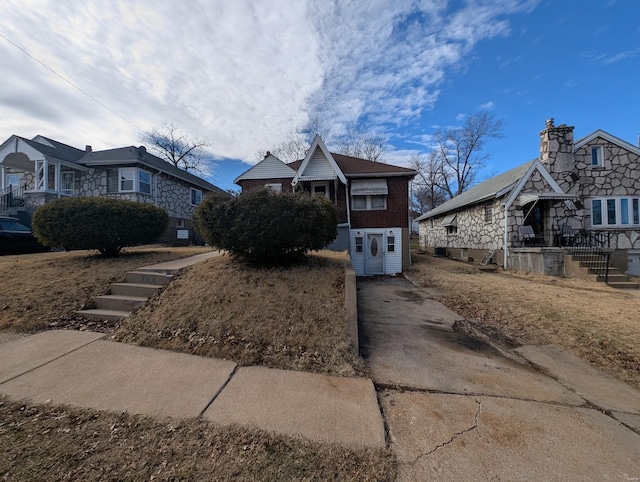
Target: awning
[
  {"x": 449, "y": 220},
  {"x": 529, "y": 197},
  {"x": 369, "y": 187}
]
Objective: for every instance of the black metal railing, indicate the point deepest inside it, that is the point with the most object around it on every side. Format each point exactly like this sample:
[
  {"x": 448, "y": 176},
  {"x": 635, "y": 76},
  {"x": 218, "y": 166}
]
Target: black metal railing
[
  {"x": 592, "y": 249},
  {"x": 11, "y": 197}
]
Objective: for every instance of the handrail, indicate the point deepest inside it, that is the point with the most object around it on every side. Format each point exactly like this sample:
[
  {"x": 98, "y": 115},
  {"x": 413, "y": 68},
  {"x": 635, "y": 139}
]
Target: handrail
[
  {"x": 11, "y": 197},
  {"x": 593, "y": 249}
]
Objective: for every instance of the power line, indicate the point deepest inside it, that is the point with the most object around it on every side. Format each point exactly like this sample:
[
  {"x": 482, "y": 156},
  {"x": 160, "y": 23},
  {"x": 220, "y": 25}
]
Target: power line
[{"x": 72, "y": 84}]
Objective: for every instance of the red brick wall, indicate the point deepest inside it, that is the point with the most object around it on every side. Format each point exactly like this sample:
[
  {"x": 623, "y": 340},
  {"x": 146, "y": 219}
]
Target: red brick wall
[
  {"x": 253, "y": 184},
  {"x": 396, "y": 214}
]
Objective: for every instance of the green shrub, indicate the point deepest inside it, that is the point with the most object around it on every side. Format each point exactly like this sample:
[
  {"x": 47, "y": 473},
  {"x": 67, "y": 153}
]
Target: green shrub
[
  {"x": 107, "y": 225},
  {"x": 265, "y": 226}
]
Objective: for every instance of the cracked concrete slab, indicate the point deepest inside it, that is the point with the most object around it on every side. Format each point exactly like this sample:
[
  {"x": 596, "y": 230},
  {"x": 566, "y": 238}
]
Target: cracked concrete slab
[
  {"x": 599, "y": 388},
  {"x": 20, "y": 354},
  {"x": 318, "y": 407},
  {"x": 404, "y": 344},
  {"x": 456, "y": 437},
  {"x": 106, "y": 375}
]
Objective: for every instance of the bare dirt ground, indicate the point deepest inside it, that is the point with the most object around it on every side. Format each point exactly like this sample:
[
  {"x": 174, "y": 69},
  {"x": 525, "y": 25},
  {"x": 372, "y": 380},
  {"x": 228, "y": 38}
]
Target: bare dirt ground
[{"x": 598, "y": 323}]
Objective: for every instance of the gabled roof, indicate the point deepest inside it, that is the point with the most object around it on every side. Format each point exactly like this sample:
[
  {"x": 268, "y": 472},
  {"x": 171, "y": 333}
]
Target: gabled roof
[
  {"x": 55, "y": 149},
  {"x": 490, "y": 189},
  {"x": 310, "y": 160},
  {"x": 139, "y": 155},
  {"x": 605, "y": 135},
  {"x": 268, "y": 168}
]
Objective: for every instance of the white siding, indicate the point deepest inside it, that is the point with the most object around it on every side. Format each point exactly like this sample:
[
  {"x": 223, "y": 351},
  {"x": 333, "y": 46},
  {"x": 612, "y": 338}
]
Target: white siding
[
  {"x": 318, "y": 167},
  {"x": 392, "y": 260},
  {"x": 269, "y": 168}
]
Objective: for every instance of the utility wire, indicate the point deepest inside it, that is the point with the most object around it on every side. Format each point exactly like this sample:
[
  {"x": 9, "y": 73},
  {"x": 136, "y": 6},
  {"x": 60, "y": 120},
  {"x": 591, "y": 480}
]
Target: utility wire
[{"x": 72, "y": 84}]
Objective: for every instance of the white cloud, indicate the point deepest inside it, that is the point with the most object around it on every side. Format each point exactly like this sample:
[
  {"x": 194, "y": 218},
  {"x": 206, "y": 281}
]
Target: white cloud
[
  {"x": 242, "y": 74},
  {"x": 487, "y": 105},
  {"x": 461, "y": 116}
]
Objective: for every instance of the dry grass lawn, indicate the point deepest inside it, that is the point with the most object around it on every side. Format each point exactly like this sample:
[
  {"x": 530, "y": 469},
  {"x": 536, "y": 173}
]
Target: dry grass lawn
[
  {"x": 43, "y": 442},
  {"x": 43, "y": 290},
  {"x": 598, "y": 323},
  {"x": 291, "y": 318}
]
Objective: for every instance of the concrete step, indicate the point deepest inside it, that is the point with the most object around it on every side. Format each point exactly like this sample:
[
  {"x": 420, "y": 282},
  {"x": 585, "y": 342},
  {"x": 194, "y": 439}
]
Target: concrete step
[
  {"x": 616, "y": 278},
  {"x": 134, "y": 289},
  {"x": 147, "y": 277},
  {"x": 624, "y": 285},
  {"x": 104, "y": 315},
  {"x": 119, "y": 302}
]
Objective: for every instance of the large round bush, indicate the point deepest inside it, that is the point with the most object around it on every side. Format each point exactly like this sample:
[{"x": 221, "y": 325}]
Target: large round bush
[
  {"x": 265, "y": 226},
  {"x": 107, "y": 225}
]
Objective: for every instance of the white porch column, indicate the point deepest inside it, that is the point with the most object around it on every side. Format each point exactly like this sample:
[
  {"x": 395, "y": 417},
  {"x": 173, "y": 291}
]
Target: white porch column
[
  {"x": 2, "y": 172},
  {"x": 42, "y": 174},
  {"x": 57, "y": 179}
]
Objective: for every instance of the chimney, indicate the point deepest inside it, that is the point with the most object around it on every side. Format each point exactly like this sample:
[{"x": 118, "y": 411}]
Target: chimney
[
  {"x": 556, "y": 147},
  {"x": 88, "y": 148}
]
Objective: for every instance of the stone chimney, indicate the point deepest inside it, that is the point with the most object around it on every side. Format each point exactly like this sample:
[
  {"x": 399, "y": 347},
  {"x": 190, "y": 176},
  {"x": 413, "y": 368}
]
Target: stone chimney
[
  {"x": 556, "y": 147},
  {"x": 88, "y": 148}
]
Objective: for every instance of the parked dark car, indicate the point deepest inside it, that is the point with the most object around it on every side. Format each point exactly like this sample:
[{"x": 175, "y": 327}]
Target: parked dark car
[{"x": 16, "y": 238}]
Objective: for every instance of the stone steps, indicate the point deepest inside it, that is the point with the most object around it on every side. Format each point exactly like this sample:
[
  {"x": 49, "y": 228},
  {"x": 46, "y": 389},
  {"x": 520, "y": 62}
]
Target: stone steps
[
  {"x": 616, "y": 279},
  {"x": 128, "y": 296}
]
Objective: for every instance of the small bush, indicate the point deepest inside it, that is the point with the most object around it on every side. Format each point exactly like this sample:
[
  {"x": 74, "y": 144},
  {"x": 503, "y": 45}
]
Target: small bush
[
  {"x": 107, "y": 225},
  {"x": 265, "y": 226}
]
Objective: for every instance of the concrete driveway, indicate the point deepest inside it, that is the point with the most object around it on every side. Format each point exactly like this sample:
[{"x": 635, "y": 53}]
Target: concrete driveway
[{"x": 456, "y": 408}]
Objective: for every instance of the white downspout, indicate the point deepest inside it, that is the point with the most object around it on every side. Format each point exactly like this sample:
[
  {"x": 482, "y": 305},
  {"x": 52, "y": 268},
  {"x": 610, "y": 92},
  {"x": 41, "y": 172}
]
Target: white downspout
[{"x": 505, "y": 249}]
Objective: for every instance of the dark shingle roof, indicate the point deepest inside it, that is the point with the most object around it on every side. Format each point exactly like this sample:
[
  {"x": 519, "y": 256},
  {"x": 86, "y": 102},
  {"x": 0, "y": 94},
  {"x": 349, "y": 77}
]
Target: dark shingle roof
[
  {"x": 354, "y": 166},
  {"x": 483, "y": 191},
  {"x": 60, "y": 151}
]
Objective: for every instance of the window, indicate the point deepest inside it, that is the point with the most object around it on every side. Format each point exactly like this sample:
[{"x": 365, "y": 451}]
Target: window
[
  {"x": 452, "y": 230},
  {"x": 615, "y": 211},
  {"x": 320, "y": 189},
  {"x": 127, "y": 179},
  {"x": 597, "y": 156},
  {"x": 196, "y": 196},
  {"x": 359, "y": 241},
  {"x": 369, "y": 203},
  {"x": 488, "y": 213},
  {"x": 274, "y": 187},
  {"x": 144, "y": 182},
  {"x": 67, "y": 183},
  {"x": 13, "y": 180},
  {"x": 431, "y": 223},
  {"x": 391, "y": 243}
]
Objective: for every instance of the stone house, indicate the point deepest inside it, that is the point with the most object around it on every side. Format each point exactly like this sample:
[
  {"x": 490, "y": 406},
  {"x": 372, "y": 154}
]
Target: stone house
[
  {"x": 372, "y": 199},
  {"x": 583, "y": 193},
  {"x": 35, "y": 171}
]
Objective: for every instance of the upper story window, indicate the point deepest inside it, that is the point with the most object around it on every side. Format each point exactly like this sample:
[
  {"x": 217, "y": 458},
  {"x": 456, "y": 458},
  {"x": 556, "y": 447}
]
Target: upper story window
[
  {"x": 129, "y": 179},
  {"x": 597, "y": 156},
  {"x": 369, "y": 203},
  {"x": 615, "y": 212},
  {"x": 274, "y": 187},
  {"x": 196, "y": 196}
]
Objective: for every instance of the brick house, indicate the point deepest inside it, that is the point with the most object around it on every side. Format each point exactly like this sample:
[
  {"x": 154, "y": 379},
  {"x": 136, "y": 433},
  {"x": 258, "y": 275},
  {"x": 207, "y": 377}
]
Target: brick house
[
  {"x": 35, "y": 171},
  {"x": 372, "y": 199},
  {"x": 583, "y": 194}
]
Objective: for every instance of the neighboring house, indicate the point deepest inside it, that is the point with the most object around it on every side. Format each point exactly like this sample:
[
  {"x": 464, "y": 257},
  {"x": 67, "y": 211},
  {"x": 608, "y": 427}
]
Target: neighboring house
[
  {"x": 372, "y": 199},
  {"x": 586, "y": 191},
  {"x": 35, "y": 171}
]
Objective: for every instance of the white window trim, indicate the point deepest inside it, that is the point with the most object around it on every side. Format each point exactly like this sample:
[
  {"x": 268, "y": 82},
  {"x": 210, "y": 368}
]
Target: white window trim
[
  {"x": 604, "y": 215},
  {"x": 600, "y": 156},
  {"x": 368, "y": 201},
  {"x": 67, "y": 192},
  {"x": 191, "y": 192},
  {"x": 326, "y": 188},
  {"x": 136, "y": 180}
]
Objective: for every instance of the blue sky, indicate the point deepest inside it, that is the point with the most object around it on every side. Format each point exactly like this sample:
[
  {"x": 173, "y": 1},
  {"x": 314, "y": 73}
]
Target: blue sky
[{"x": 245, "y": 74}]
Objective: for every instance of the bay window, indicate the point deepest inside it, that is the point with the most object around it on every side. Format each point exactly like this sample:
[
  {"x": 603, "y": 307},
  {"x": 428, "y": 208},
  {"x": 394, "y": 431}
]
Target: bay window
[{"x": 620, "y": 211}]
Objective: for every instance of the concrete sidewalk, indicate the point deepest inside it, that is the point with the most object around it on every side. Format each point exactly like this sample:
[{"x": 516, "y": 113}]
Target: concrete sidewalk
[
  {"x": 85, "y": 370},
  {"x": 173, "y": 266}
]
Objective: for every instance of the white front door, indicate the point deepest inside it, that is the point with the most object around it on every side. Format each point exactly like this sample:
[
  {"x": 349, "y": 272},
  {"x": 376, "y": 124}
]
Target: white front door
[{"x": 374, "y": 255}]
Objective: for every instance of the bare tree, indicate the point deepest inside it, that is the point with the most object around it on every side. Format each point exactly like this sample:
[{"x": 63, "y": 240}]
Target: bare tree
[
  {"x": 184, "y": 152},
  {"x": 427, "y": 185},
  {"x": 459, "y": 150},
  {"x": 366, "y": 145}
]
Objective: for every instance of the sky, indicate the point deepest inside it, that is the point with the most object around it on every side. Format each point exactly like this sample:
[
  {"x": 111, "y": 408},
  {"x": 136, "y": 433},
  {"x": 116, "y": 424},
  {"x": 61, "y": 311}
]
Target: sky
[{"x": 244, "y": 74}]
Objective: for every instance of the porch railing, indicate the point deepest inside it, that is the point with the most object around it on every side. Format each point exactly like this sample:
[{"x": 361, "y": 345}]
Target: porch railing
[
  {"x": 592, "y": 248},
  {"x": 11, "y": 197}
]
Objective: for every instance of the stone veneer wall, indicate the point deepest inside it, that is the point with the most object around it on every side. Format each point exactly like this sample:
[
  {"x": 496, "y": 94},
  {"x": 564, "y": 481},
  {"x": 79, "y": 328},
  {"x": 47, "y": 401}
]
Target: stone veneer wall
[
  {"x": 618, "y": 176},
  {"x": 473, "y": 232}
]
